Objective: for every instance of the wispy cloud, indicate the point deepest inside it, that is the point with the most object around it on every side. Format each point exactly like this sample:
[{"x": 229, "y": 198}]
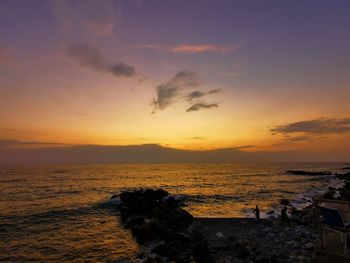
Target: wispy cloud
[
  {"x": 203, "y": 48},
  {"x": 190, "y": 48},
  {"x": 90, "y": 57},
  {"x": 196, "y": 138},
  {"x": 168, "y": 92},
  {"x": 314, "y": 127},
  {"x": 197, "y": 94},
  {"x": 14, "y": 144},
  {"x": 95, "y": 16},
  {"x": 200, "y": 105},
  {"x": 175, "y": 90}
]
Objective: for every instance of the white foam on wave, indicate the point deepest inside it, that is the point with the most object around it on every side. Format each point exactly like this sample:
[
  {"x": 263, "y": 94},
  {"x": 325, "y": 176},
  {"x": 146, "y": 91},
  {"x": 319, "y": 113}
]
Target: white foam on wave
[{"x": 114, "y": 201}]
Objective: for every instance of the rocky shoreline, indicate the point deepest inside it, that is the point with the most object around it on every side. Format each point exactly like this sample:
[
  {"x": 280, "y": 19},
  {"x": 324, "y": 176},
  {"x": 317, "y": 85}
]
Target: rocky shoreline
[{"x": 168, "y": 233}]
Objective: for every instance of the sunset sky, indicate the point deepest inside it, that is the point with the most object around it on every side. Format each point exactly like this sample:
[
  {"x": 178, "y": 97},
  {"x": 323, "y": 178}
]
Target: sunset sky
[{"x": 198, "y": 75}]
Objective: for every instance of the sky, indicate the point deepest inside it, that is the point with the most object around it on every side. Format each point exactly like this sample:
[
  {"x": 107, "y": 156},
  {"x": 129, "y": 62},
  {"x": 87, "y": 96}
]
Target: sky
[{"x": 259, "y": 76}]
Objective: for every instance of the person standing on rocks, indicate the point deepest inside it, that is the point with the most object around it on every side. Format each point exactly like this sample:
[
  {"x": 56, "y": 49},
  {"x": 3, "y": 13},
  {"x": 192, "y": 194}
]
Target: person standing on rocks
[
  {"x": 257, "y": 213},
  {"x": 284, "y": 215}
]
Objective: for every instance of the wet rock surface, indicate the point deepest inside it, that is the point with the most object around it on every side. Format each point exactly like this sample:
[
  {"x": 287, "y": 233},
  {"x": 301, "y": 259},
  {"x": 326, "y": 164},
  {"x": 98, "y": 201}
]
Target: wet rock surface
[
  {"x": 343, "y": 192},
  {"x": 161, "y": 226},
  {"x": 245, "y": 240}
]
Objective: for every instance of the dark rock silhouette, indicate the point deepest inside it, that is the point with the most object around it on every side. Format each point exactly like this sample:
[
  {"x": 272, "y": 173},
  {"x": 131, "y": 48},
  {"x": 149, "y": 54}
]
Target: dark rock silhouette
[
  {"x": 284, "y": 201},
  {"x": 299, "y": 172},
  {"x": 155, "y": 217}
]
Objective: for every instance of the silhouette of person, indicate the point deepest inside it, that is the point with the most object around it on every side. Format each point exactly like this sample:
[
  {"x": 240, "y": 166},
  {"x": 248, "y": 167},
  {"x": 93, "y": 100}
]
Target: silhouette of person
[
  {"x": 257, "y": 213},
  {"x": 284, "y": 215}
]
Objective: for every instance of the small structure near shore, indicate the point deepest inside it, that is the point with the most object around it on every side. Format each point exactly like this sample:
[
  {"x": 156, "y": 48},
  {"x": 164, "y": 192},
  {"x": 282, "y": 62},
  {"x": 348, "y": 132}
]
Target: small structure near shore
[{"x": 337, "y": 201}]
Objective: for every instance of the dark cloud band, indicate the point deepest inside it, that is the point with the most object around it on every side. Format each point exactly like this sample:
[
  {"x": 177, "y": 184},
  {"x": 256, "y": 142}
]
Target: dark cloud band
[
  {"x": 90, "y": 57},
  {"x": 314, "y": 127},
  {"x": 199, "y": 106}
]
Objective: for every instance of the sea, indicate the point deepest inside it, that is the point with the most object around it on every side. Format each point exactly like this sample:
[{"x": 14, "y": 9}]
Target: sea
[{"x": 62, "y": 213}]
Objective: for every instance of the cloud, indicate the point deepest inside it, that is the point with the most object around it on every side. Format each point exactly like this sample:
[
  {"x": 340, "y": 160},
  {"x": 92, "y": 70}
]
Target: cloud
[
  {"x": 90, "y": 57},
  {"x": 189, "y": 48},
  {"x": 197, "y": 138},
  {"x": 14, "y": 144},
  {"x": 168, "y": 92},
  {"x": 213, "y": 91},
  {"x": 174, "y": 91},
  {"x": 245, "y": 147},
  {"x": 203, "y": 48},
  {"x": 314, "y": 127},
  {"x": 200, "y": 105},
  {"x": 197, "y": 94},
  {"x": 95, "y": 16}
]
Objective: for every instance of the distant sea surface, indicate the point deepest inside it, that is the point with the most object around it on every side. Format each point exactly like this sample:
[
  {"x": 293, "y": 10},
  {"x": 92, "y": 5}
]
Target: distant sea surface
[{"x": 58, "y": 213}]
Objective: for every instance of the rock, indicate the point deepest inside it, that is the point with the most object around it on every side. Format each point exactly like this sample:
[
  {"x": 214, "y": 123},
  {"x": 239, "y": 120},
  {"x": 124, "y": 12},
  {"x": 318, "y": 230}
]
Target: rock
[
  {"x": 158, "y": 226},
  {"x": 290, "y": 243},
  {"x": 170, "y": 201},
  {"x": 284, "y": 201},
  {"x": 153, "y": 216},
  {"x": 135, "y": 221},
  {"x": 157, "y": 194},
  {"x": 201, "y": 252},
  {"x": 329, "y": 195},
  {"x": 219, "y": 234},
  {"x": 309, "y": 245},
  {"x": 262, "y": 259},
  {"x": 299, "y": 172},
  {"x": 153, "y": 258},
  {"x": 270, "y": 212},
  {"x": 161, "y": 249},
  {"x": 283, "y": 235},
  {"x": 271, "y": 235},
  {"x": 179, "y": 219},
  {"x": 114, "y": 196},
  {"x": 143, "y": 233},
  {"x": 343, "y": 176},
  {"x": 242, "y": 250}
]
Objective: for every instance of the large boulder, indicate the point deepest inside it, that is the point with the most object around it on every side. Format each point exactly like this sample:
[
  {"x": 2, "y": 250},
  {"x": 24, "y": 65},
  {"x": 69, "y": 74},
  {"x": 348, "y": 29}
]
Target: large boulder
[
  {"x": 154, "y": 216},
  {"x": 179, "y": 219},
  {"x": 143, "y": 233}
]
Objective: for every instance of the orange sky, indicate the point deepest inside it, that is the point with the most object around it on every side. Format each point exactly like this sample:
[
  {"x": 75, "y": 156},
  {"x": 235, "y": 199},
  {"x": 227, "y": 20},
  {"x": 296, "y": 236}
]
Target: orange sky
[{"x": 100, "y": 79}]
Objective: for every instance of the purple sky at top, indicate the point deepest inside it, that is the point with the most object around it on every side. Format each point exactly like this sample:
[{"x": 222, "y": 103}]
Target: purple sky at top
[
  {"x": 286, "y": 57},
  {"x": 293, "y": 37}
]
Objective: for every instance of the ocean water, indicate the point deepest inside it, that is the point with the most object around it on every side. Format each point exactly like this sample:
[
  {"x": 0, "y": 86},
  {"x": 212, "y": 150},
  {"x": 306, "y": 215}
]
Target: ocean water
[{"x": 58, "y": 213}]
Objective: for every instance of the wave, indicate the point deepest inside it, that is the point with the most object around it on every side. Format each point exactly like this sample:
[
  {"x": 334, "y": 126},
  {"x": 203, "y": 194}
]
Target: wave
[
  {"x": 210, "y": 198},
  {"x": 19, "y": 221}
]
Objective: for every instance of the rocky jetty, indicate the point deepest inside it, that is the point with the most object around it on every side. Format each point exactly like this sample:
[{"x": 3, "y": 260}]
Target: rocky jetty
[
  {"x": 161, "y": 226},
  {"x": 168, "y": 233},
  {"x": 300, "y": 172}
]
